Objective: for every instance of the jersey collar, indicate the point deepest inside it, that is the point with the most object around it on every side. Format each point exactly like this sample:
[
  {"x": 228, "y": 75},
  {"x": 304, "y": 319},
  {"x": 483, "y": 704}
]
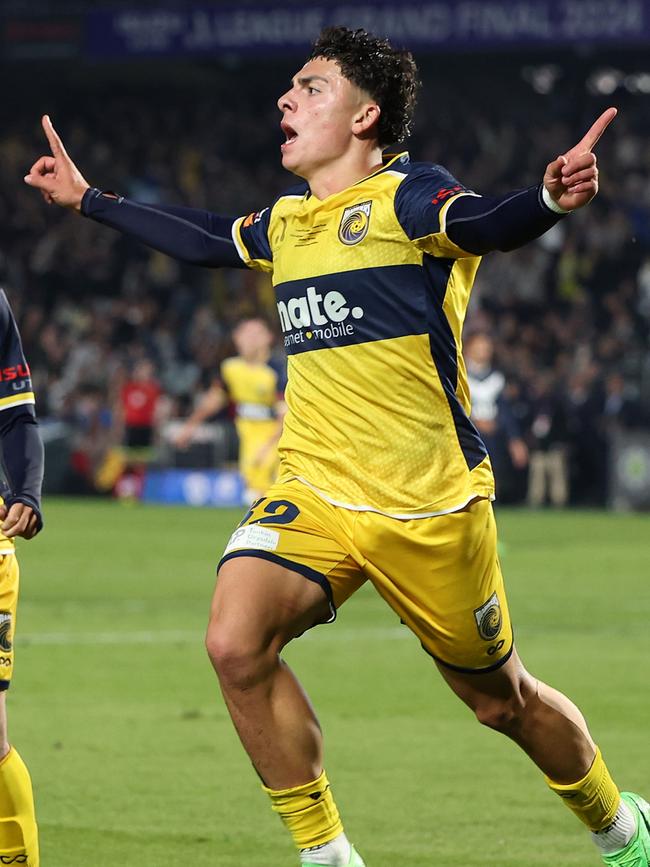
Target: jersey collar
[{"x": 390, "y": 161}]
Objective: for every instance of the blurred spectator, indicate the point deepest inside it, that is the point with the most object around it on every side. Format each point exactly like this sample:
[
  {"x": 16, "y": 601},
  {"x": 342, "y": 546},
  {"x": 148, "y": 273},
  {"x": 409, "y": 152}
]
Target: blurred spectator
[
  {"x": 492, "y": 413},
  {"x": 96, "y": 462},
  {"x": 140, "y": 405},
  {"x": 547, "y": 437},
  {"x": 621, "y": 407}
]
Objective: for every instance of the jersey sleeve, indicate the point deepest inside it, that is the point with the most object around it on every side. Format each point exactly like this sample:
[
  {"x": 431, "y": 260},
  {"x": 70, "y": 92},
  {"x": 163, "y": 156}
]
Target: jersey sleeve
[
  {"x": 251, "y": 237},
  {"x": 421, "y": 204},
  {"x": 188, "y": 234},
  {"x": 15, "y": 377},
  {"x": 21, "y": 446}
]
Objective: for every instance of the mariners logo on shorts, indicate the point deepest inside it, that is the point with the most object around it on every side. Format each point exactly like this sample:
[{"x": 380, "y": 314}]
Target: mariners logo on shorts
[
  {"x": 354, "y": 223},
  {"x": 5, "y": 631},
  {"x": 489, "y": 618}
]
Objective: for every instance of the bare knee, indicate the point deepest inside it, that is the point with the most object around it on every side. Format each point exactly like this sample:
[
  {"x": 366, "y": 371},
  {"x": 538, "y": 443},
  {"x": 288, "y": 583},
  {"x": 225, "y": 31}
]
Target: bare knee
[
  {"x": 501, "y": 700},
  {"x": 240, "y": 660},
  {"x": 503, "y": 714},
  {"x": 508, "y": 707}
]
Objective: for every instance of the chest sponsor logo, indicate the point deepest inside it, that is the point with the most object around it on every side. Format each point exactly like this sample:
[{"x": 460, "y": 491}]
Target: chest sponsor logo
[
  {"x": 354, "y": 223},
  {"x": 317, "y": 317}
]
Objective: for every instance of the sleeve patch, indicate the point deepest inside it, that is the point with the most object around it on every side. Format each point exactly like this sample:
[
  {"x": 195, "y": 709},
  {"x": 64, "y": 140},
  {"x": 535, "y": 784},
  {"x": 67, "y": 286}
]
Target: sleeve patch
[
  {"x": 253, "y": 218},
  {"x": 445, "y": 192}
]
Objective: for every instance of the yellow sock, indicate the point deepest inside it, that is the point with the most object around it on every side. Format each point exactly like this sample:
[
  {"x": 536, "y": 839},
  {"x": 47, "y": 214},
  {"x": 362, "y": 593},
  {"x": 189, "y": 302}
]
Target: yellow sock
[
  {"x": 594, "y": 799},
  {"x": 308, "y": 811},
  {"x": 18, "y": 832}
]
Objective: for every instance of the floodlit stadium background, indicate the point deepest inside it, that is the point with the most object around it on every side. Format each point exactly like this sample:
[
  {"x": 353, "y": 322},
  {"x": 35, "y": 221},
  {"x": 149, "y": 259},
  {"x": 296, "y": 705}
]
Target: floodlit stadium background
[
  {"x": 177, "y": 104},
  {"x": 114, "y": 705}
]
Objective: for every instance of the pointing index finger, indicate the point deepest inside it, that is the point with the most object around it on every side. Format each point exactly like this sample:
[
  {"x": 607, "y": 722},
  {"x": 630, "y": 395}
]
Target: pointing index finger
[
  {"x": 598, "y": 128},
  {"x": 56, "y": 145}
]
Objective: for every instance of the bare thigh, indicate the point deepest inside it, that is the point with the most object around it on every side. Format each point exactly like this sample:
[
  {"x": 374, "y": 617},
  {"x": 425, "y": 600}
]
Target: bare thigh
[{"x": 262, "y": 604}]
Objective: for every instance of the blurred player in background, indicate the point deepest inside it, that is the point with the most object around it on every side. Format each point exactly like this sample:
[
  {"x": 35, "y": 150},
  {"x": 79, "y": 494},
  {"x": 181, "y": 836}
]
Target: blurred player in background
[
  {"x": 383, "y": 476},
  {"x": 254, "y": 383},
  {"x": 20, "y": 513}
]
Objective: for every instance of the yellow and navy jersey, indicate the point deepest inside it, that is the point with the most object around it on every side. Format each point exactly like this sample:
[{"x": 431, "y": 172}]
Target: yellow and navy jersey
[
  {"x": 372, "y": 295},
  {"x": 254, "y": 388}
]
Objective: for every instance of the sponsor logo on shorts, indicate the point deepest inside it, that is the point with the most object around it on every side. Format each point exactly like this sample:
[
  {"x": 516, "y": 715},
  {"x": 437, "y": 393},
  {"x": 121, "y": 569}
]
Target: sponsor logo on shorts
[
  {"x": 489, "y": 618},
  {"x": 5, "y": 632},
  {"x": 253, "y": 536},
  {"x": 13, "y": 859},
  {"x": 354, "y": 223}
]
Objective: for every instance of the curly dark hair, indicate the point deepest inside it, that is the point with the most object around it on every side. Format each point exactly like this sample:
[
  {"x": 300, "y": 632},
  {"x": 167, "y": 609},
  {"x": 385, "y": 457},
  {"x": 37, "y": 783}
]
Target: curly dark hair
[{"x": 388, "y": 74}]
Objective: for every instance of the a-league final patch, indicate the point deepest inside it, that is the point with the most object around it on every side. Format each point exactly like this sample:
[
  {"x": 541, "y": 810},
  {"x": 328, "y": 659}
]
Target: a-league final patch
[
  {"x": 253, "y": 536},
  {"x": 489, "y": 618}
]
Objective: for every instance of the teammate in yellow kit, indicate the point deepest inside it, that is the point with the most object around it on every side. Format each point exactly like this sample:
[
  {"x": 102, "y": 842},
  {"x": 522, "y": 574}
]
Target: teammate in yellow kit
[
  {"x": 20, "y": 514},
  {"x": 383, "y": 476},
  {"x": 254, "y": 383}
]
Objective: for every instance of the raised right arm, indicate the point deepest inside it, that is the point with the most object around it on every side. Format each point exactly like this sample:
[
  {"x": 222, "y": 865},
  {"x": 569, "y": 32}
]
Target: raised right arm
[
  {"x": 194, "y": 236},
  {"x": 191, "y": 235}
]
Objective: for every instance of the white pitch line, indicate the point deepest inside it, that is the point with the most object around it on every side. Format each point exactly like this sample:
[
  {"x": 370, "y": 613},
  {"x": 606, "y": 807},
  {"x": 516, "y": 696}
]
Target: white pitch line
[{"x": 389, "y": 633}]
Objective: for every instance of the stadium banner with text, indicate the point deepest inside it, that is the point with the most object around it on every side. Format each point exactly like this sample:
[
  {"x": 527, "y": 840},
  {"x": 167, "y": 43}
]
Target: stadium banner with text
[
  {"x": 441, "y": 25},
  {"x": 193, "y": 487}
]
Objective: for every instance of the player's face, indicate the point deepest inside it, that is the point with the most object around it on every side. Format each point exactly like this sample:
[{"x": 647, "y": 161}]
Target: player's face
[
  {"x": 318, "y": 112},
  {"x": 251, "y": 338},
  {"x": 479, "y": 350}
]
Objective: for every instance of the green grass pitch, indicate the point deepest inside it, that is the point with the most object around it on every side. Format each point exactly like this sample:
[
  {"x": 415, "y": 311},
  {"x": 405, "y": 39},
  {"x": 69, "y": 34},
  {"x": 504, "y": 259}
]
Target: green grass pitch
[{"x": 116, "y": 711}]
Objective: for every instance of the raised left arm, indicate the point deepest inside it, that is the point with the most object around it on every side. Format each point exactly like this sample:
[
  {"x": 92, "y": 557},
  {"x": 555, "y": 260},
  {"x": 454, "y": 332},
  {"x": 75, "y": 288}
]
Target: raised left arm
[
  {"x": 480, "y": 224},
  {"x": 571, "y": 180}
]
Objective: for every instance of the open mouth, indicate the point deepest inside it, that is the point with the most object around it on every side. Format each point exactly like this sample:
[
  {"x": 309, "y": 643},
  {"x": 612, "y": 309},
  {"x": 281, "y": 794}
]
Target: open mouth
[{"x": 290, "y": 133}]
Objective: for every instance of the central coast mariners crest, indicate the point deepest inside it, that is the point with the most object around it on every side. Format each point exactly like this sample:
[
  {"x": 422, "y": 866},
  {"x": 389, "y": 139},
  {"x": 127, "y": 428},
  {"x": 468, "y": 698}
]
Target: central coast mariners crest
[
  {"x": 354, "y": 223},
  {"x": 489, "y": 618},
  {"x": 5, "y": 631}
]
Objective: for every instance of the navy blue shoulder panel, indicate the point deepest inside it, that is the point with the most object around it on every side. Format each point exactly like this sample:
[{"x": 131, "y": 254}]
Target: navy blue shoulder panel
[
  {"x": 255, "y": 228},
  {"x": 421, "y": 196}
]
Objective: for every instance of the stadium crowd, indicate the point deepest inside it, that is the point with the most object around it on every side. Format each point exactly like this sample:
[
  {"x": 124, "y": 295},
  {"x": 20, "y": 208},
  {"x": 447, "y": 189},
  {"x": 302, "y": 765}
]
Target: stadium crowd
[{"x": 568, "y": 316}]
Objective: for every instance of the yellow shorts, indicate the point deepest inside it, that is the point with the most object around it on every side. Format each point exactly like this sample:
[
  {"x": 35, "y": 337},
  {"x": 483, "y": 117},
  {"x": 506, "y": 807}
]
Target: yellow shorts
[
  {"x": 8, "y": 603},
  {"x": 440, "y": 575}
]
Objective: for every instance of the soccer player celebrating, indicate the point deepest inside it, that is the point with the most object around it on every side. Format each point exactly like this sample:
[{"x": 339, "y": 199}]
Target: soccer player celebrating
[
  {"x": 383, "y": 477},
  {"x": 20, "y": 515}
]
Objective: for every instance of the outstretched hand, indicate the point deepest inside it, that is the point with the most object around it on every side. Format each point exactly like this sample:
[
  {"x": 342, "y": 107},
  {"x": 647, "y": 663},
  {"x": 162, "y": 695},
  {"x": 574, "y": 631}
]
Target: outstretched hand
[
  {"x": 572, "y": 179},
  {"x": 56, "y": 176}
]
